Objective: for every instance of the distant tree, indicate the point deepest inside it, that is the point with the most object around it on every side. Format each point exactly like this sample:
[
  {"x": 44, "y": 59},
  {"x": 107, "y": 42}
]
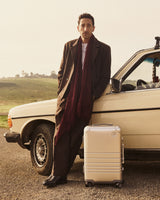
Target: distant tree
[
  {"x": 53, "y": 74},
  {"x": 37, "y": 75},
  {"x": 17, "y": 76},
  {"x": 31, "y": 74},
  {"x": 23, "y": 73}
]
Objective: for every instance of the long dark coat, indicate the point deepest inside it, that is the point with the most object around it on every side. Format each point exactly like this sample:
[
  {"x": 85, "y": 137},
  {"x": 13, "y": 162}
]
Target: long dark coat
[{"x": 100, "y": 62}]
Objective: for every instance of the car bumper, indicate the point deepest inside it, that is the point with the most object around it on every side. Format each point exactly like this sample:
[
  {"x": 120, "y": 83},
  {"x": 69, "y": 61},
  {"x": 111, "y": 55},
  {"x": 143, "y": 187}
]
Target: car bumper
[{"x": 12, "y": 137}]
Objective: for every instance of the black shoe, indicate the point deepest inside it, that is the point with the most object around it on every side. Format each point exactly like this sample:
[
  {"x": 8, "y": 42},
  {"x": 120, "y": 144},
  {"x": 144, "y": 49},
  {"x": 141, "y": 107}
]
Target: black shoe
[
  {"x": 46, "y": 181},
  {"x": 55, "y": 180}
]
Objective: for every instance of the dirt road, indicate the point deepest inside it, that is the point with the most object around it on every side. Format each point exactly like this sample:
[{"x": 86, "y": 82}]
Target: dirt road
[{"x": 19, "y": 181}]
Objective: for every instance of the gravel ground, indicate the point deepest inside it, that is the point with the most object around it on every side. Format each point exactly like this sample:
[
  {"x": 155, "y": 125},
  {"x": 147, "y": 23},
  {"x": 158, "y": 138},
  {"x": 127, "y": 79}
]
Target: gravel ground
[{"x": 19, "y": 181}]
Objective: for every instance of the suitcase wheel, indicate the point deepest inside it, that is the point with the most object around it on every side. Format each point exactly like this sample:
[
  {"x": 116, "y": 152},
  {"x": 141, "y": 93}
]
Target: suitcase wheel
[
  {"x": 118, "y": 185},
  {"x": 89, "y": 184}
]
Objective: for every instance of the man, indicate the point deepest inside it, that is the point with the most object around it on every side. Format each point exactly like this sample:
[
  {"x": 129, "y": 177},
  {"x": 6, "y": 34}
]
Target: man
[{"x": 84, "y": 74}]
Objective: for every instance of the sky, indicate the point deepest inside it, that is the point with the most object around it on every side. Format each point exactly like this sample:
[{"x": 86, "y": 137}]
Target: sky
[{"x": 33, "y": 32}]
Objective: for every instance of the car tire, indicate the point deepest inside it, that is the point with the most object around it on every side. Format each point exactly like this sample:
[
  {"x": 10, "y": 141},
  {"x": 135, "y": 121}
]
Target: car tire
[{"x": 42, "y": 148}]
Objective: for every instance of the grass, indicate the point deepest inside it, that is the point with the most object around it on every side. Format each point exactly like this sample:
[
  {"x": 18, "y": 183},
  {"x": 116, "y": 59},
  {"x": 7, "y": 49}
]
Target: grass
[
  {"x": 17, "y": 91},
  {"x": 3, "y": 121},
  {"x": 6, "y": 106},
  {"x": 24, "y": 90}
]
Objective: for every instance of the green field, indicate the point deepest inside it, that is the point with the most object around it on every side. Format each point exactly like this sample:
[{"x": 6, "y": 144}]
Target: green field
[
  {"x": 3, "y": 121},
  {"x": 17, "y": 91}
]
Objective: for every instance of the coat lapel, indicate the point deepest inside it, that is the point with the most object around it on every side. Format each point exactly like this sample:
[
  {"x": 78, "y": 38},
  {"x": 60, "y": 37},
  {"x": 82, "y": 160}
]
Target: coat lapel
[
  {"x": 74, "y": 50},
  {"x": 95, "y": 50}
]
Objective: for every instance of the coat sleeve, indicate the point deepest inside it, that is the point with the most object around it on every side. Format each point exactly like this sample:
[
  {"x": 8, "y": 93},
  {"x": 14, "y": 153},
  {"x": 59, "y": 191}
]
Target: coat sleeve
[
  {"x": 61, "y": 69},
  {"x": 105, "y": 72}
]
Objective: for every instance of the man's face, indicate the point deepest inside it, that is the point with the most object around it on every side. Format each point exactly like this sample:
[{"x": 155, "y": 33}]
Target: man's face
[{"x": 85, "y": 28}]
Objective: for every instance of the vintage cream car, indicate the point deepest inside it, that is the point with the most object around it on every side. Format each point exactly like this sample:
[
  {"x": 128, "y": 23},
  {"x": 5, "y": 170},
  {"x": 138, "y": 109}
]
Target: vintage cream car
[{"x": 131, "y": 101}]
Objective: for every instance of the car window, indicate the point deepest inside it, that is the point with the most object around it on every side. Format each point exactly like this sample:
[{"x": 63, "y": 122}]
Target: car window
[{"x": 145, "y": 76}]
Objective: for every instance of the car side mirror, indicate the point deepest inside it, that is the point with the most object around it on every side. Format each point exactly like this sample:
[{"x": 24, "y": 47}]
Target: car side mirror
[{"x": 116, "y": 85}]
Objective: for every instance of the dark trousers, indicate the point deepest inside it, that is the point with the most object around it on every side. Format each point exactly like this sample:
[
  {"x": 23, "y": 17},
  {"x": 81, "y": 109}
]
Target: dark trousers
[{"x": 67, "y": 148}]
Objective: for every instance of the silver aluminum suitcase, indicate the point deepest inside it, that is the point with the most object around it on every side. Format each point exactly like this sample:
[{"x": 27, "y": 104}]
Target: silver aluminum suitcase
[{"x": 103, "y": 155}]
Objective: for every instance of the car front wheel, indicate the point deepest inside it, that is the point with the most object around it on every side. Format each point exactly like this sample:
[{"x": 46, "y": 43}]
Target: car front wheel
[{"x": 42, "y": 148}]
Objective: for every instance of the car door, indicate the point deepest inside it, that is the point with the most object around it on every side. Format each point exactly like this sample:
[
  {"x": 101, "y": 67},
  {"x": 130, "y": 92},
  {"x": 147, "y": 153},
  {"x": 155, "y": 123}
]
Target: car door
[{"x": 136, "y": 109}]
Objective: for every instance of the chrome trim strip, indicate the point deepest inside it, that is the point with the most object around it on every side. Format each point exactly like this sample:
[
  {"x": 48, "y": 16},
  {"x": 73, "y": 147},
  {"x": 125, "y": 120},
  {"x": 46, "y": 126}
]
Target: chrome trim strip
[
  {"x": 127, "y": 110},
  {"x": 33, "y": 116}
]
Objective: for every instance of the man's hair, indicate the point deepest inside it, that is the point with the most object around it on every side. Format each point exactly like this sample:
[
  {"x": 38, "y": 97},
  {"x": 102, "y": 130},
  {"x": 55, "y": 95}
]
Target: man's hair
[{"x": 86, "y": 15}]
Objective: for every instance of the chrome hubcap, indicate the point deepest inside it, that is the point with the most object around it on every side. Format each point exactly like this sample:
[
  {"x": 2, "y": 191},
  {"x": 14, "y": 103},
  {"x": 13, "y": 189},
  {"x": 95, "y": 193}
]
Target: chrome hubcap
[{"x": 40, "y": 150}]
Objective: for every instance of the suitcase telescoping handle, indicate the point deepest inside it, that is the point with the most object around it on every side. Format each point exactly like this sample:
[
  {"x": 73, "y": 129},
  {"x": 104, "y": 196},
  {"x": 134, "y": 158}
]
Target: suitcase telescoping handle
[
  {"x": 122, "y": 153},
  {"x": 102, "y": 124}
]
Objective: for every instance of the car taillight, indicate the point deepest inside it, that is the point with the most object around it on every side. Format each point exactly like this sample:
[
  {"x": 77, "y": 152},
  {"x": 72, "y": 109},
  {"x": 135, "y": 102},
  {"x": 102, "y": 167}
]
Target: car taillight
[{"x": 9, "y": 121}]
